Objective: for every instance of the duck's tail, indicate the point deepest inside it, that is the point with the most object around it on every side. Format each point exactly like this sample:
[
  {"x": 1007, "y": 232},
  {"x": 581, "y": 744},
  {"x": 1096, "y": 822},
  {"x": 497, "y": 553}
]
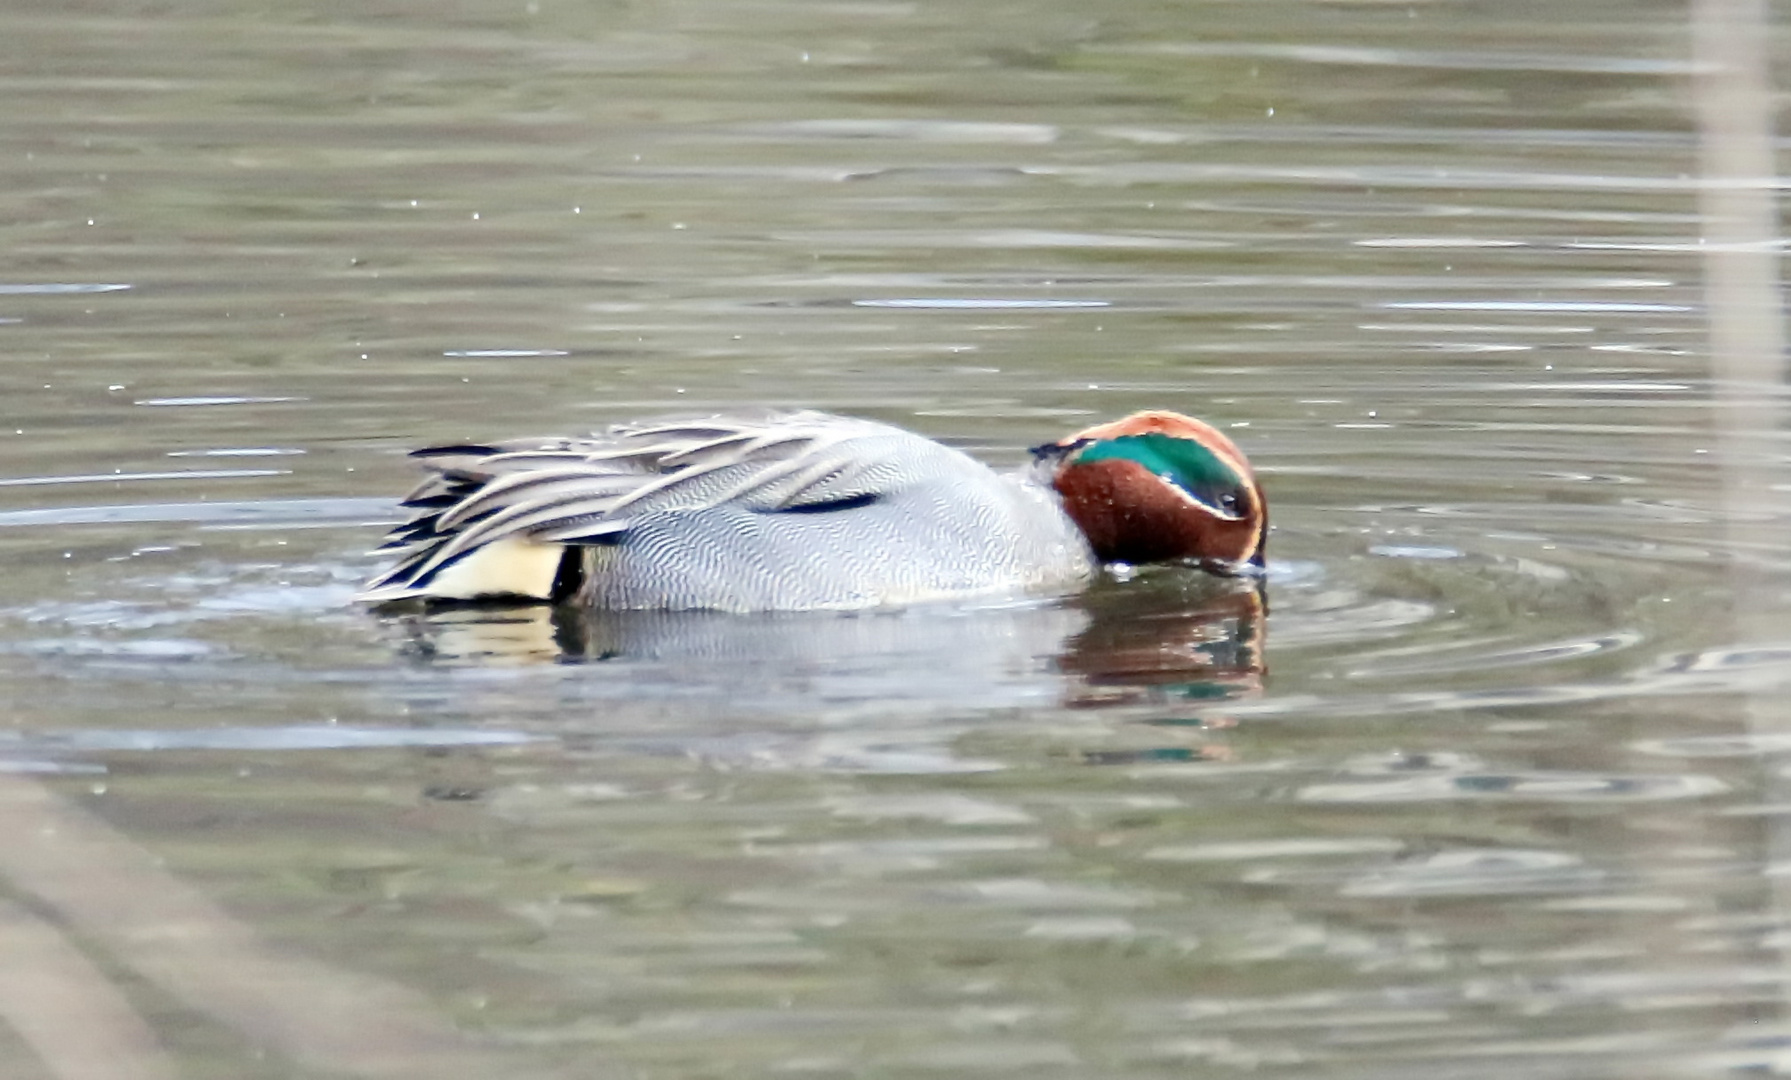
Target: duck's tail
[{"x": 512, "y": 567}]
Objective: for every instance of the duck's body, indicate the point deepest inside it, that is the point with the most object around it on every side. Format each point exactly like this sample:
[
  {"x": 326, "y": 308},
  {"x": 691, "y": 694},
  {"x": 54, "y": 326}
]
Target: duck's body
[{"x": 791, "y": 511}]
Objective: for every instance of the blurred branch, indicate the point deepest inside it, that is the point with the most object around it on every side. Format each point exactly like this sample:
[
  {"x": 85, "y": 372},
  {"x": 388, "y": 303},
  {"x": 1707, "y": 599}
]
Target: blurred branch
[
  {"x": 76, "y": 1022},
  {"x": 117, "y": 896}
]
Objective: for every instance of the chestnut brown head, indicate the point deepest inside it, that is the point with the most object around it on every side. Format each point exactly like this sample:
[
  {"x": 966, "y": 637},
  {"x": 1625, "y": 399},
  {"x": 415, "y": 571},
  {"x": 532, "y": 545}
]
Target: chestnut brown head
[{"x": 1160, "y": 487}]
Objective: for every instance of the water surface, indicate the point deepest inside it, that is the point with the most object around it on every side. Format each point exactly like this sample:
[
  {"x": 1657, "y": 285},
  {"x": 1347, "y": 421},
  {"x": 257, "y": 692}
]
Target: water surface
[{"x": 1477, "y": 786}]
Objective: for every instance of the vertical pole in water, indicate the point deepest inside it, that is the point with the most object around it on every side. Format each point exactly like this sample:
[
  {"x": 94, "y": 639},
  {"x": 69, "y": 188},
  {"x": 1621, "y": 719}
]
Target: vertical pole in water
[
  {"x": 1738, "y": 191},
  {"x": 1737, "y": 197},
  {"x": 1737, "y": 200},
  {"x": 1738, "y": 203}
]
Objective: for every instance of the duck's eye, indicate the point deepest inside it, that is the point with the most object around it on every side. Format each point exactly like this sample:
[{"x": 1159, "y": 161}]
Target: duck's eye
[{"x": 1229, "y": 502}]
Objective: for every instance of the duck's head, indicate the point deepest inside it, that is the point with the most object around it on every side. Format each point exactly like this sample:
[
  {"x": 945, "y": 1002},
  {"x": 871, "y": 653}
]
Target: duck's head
[{"x": 1158, "y": 487}]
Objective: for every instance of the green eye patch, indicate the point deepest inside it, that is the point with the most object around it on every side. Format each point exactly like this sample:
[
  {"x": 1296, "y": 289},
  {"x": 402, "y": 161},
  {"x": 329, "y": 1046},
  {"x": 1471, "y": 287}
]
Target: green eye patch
[{"x": 1187, "y": 464}]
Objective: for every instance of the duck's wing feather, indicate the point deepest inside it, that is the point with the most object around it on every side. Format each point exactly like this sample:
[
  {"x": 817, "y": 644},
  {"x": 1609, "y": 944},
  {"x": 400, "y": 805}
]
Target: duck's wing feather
[{"x": 524, "y": 496}]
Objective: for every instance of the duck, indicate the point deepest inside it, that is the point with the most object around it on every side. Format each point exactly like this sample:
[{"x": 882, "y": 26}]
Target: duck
[{"x": 804, "y": 510}]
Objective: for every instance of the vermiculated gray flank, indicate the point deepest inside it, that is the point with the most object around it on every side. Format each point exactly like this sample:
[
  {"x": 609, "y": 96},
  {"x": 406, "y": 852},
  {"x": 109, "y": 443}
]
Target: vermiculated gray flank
[{"x": 783, "y": 512}]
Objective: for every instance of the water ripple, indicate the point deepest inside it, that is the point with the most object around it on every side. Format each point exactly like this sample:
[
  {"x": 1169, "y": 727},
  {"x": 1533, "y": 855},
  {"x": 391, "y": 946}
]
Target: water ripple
[
  {"x": 341, "y": 511},
  {"x": 56, "y": 288},
  {"x": 1393, "y": 664},
  {"x": 294, "y": 737},
  {"x": 1478, "y": 873},
  {"x": 1516, "y": 786},
  {"x": 124, "y": 477},
  {"x": 1366, "y": 56},
  {"x": 186, "y": 402}
]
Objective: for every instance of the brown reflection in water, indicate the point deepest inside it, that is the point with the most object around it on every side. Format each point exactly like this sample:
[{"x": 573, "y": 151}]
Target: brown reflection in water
[
  {"x": 1182, "y": 652},
  {"x": 1140, "y": 647}
]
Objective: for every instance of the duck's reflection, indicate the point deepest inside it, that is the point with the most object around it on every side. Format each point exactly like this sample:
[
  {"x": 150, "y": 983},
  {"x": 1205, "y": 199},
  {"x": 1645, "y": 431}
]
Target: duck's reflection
[
  {"x": 1180, "y": 649},
  {"x": 1196, "y": 640},
  {"x": 1170, "y": 636}
]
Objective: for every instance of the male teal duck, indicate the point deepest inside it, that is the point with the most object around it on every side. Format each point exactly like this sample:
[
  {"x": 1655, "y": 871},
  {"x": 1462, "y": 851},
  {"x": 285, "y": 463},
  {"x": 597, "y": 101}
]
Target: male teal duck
[{"x": 804, "y": 510}]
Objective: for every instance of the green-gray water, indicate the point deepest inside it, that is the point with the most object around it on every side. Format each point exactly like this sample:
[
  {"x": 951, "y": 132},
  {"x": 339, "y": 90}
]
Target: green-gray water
[{"x": 1483, "y": 792}]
